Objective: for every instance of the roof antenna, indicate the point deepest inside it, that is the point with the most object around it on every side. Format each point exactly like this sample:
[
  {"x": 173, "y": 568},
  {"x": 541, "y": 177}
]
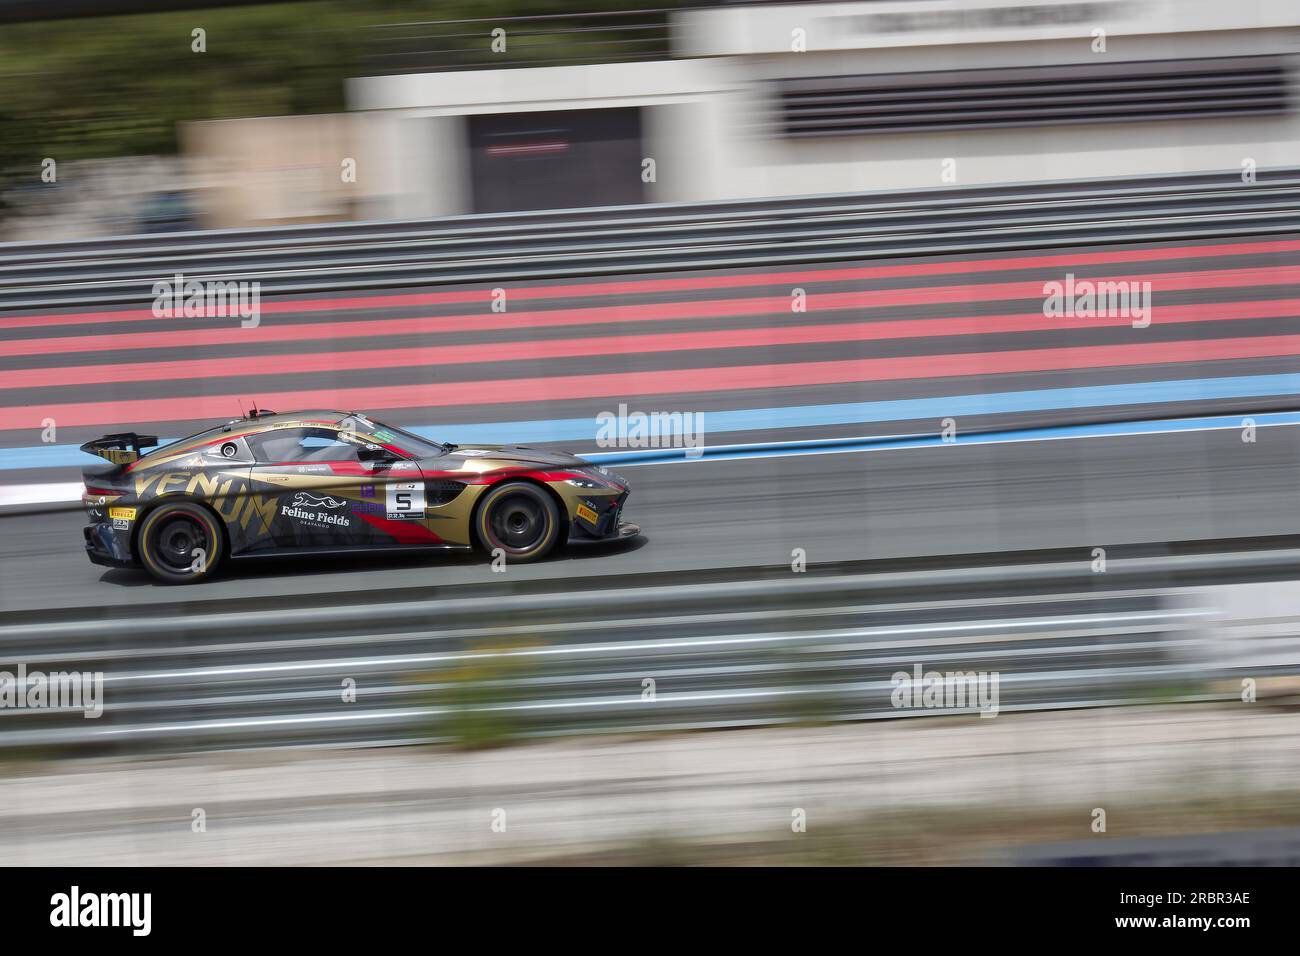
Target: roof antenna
[
  {"x": 240, "y": 403},
  {"x": 253, "y": 411}
]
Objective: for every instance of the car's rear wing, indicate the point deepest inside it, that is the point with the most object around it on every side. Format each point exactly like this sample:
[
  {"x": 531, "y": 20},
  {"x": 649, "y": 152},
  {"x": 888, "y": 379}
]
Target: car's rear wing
[{"x": 122, "y": 448}]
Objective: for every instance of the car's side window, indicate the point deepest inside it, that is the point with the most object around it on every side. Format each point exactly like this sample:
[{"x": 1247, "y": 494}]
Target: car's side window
[
  {"x": 232, "y": 450},
  {"x": 298, "y": 445}
]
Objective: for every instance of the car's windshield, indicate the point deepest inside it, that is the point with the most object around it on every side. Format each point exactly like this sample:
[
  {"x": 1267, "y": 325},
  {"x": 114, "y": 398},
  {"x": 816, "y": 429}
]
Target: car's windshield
[{"x": 391, "y": 434}]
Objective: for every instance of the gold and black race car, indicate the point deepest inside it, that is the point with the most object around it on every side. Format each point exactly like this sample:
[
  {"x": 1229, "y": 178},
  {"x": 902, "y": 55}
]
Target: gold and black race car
[{"x": 315, "y": 482}]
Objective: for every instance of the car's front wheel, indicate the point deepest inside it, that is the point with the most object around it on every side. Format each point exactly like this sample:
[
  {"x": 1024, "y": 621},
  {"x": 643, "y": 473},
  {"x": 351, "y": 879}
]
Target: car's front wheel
[
  {"x": 519, "y": 518},
  {"x": 180, "y": 543}
]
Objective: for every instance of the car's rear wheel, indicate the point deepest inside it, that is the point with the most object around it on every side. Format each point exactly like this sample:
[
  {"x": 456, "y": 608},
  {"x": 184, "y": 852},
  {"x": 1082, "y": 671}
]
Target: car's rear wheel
[
  {"x": 180, "y": 543},
  {"x": 519, "y": 518}
]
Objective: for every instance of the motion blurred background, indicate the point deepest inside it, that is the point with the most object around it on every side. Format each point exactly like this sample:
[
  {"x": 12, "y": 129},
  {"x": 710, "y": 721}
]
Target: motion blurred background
[
  {"x": 829, "y": 228},
  {"x": 494, "y": 107}
]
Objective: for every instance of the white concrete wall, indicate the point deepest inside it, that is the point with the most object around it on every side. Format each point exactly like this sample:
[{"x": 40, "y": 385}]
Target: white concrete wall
[
  {"x": 883, "y": 24},
  {"x": 428, "y": 162},
  {"x": 775, "y": 166},
  {"x": 707, "y": 120}
]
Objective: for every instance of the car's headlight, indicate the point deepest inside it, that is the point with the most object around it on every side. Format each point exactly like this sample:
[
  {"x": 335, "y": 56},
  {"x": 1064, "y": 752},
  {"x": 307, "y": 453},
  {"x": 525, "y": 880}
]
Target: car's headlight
[
  {"x": 586, "y": 483},
  {"x": 617, "y": 480}
]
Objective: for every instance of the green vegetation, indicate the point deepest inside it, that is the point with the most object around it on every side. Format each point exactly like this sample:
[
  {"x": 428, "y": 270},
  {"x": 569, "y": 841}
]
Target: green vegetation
[
  {"x": 470, "y": 692},
  {"x": 118, "y": 86}
]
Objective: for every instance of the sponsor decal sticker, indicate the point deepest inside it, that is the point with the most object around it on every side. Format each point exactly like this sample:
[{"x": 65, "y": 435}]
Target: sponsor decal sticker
[
  {"x": 317, "y": 511},
  {"x": 305, "y": 499},
  {"x": 587, "y": 514},
  {"x": 405, "y": 499},
  {"x": 121, "y": 517}
]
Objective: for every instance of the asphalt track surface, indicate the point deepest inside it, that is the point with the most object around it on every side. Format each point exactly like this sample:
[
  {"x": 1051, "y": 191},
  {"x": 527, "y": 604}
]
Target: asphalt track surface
[{"x": 959, "y": 499}]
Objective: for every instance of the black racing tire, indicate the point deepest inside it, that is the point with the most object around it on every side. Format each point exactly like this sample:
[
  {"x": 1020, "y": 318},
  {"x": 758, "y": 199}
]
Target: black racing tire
[
  {"x": 520, "y": 518},
  {"x": 169, "y": 537}
]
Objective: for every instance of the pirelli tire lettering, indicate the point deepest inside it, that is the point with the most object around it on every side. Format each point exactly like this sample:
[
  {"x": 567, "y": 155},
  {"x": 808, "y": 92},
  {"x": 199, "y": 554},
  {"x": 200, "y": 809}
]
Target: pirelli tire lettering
[{"x": 332, "y": 481}]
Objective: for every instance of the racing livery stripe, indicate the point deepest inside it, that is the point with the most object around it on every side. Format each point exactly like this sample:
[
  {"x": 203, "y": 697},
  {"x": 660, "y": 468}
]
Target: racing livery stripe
[{"x": 403, "y": 532}]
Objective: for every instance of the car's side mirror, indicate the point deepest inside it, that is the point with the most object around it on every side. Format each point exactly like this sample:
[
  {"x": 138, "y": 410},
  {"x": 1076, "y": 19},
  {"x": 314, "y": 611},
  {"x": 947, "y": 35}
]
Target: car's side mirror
[{"x": 375, "y": 453}]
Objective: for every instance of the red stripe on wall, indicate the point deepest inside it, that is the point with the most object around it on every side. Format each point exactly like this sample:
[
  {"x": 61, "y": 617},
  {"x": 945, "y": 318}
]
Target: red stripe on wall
[
  {"x": 1059, "y": 261},
  {"x": 665, "y": 382},
  {"x": 234, "y": 335},
  {"x": 446, "y": 355}
]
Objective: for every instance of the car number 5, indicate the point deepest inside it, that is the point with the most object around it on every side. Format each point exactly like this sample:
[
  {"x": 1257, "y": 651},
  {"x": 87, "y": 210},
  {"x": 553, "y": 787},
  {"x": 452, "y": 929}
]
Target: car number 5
[{"x": 405, "y": 499}]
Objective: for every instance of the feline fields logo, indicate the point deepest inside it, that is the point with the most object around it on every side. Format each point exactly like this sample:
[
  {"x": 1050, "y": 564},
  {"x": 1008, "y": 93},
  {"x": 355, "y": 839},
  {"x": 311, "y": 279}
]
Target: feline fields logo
[
  {"x": 75, "y": 909},
  {"x": 310, "y": 509},
  {"x": 305, "y": 499}
]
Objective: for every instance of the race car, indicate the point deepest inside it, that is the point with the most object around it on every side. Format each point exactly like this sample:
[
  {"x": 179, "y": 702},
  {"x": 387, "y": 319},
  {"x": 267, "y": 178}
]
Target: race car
[{"x": 315, "y": 482}]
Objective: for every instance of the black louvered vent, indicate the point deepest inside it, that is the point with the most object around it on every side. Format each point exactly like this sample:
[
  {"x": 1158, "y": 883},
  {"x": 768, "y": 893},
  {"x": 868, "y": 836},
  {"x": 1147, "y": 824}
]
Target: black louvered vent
[
  {"x": 1034, "y": 96},
  {"x": 440, "y": 491}
]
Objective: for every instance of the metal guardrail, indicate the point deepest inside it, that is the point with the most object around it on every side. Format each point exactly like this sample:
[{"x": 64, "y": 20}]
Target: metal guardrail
[
  {"x": 624, "y": 239},
  {"x": 759, "y": 647},
  {"x": 550, "y": 39}
]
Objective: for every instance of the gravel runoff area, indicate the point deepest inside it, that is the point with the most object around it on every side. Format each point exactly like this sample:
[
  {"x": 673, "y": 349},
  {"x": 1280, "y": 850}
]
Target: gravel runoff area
[{"x": 932, "y": 790}]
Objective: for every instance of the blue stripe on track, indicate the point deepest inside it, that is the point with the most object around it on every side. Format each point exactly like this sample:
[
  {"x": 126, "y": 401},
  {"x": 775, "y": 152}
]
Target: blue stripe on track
[
  {"x": 803, "y": 416},
  {"x": 654, "y": 456}
]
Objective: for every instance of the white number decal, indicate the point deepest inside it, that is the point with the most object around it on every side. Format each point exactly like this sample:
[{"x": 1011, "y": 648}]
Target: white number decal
[{"x": 405, "y": 499}]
